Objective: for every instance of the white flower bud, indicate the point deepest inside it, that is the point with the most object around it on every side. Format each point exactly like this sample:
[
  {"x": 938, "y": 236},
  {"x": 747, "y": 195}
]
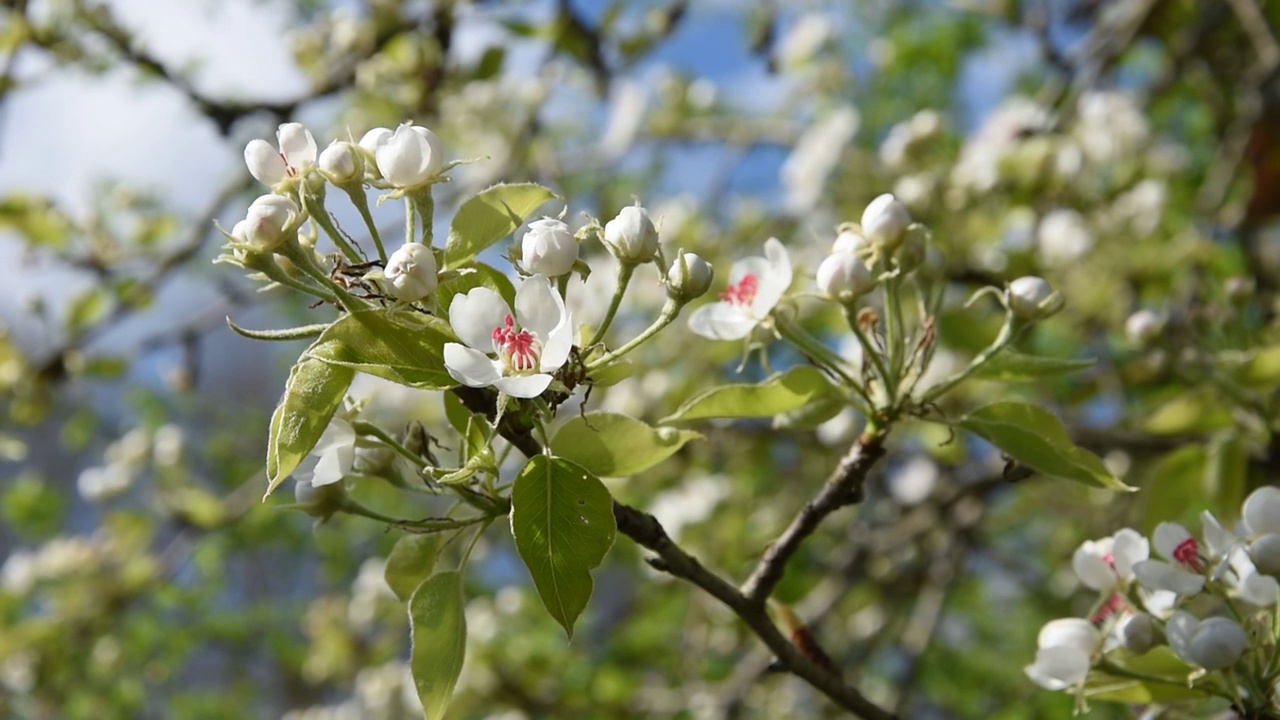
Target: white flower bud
[
  {"x": 548, "y": 248},
  {"x": 297, "y": 146},
  {"x": 884, "y": 221},
  {"x": 410, "y": 157},
  {"x": 267, "y": 219},
  {"x": 1138, "y": 632},
  {"x": 339, "y": 163},
  {"x": 631, "y": 236},
  {"x": 1217, "y": 643},
  {"x": 1032, "y": 298},
  {"x": 1265, "y": 554},
  {"x": 264, "y": 163},
  {"x": 689, "y": 277},
  {"x": 1143, "y": 326},
  {"x": 844, "y": 277},
  {"x": 240, "y": 231},
  {"x": 850, "y": 241},
  {"x": 369, "y": 145},
  {"x": 411, "y": 272}
]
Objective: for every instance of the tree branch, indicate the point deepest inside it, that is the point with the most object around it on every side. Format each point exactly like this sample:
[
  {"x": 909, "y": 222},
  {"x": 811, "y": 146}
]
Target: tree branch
[{"x": 843, "y": 487}]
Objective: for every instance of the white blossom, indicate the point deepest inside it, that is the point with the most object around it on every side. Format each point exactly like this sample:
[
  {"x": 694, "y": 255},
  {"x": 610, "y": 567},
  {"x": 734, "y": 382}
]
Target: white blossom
[
  {"x": 1032, "y": 298},
  {"x": 1063, "y": 237},
  {"x": 529, "y": 346},
  {"x": 1065, "y": 653},
  {"x": 844, "y": 277},
  {"x": 689, "y": 277},
  {"x": 411, "y": 272},
  {"x": 1213, "y": 644},
  {"x": 1107, "y": 564},
  {"x": 331, "y": 458},
  {"x": 338, "y": 162},
  {"x": 755, "y": 286},
  {"x": 1185, "y": 575},
  {"x": 410, "y": 157},
  {"x": 294, "y": 155},
  {"x": 884, "y": 221},
  {"x": 548, "y": 248},
  {"x": 267, "y": 219}
]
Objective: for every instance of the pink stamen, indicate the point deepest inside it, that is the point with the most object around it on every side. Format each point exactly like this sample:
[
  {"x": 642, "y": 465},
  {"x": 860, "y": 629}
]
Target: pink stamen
[
  {"x": 1188, "y": 554},
  {"x": 1114, "y": 604},
  {"x": 520, "y": 349},
  {"x": 1110, "y": 560},
  {"x": 288, "y": 169},
  {"x": 743, "y": 292}
]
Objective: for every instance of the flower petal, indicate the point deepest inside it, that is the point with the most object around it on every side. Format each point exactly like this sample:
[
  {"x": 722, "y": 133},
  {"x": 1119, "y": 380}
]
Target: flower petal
[
  {"x": 1168, "y": 536},
  {"x": 470, "y": 367},
  {"x": 1070, "y": 632},
  {"x": 524, "y": 386},
  {"x": 1058, "y": 668},
  {"x": 721, "y": 321},
  {"x": 1261, "y": 510},
  {"x": 1178, "y": 630},
  {"x": 774, "y": 281},
  {"x": 557, "y": 346},
  {"x": 1128, "y": 547},
  {"x": 1090, "y": 564},
  {"x": 475, "y": 315},
  {"x": 539, "y": 308},
  {"x": 1157, "y": 575},
  {"x": 264, "y": 162},
  {"x": 297, "y": 145}
]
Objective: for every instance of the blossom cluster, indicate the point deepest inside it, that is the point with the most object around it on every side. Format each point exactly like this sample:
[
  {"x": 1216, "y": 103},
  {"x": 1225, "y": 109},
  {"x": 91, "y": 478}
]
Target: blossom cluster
[{"x": 1209, "y": 598}]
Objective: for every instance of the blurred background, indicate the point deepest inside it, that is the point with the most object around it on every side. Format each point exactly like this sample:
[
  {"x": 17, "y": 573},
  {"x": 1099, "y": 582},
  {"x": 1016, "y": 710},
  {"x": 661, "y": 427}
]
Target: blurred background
[{"x": 1128, "y": 151}]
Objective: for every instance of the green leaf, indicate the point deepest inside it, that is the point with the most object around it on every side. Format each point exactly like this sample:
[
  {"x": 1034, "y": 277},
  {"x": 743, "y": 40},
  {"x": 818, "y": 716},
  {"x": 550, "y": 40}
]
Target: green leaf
[
  {"x": 438, "y": 630},
  {"x": 1262, "y": 369},
  {"x": 86, "y": 309},
  {"x": 1225, "y": 474},
  {"x": 456, "y": 413},
  {"x": 617, "y": 445},
  {"x": 410, "y": 563},
  {"x": 1017, "y": 367},
  {"x": 1037, "y": 439},
  {"x": 473, "y": 276},
  {"x": 780, "y": 393},
  {"x": 297, "y": 333},
  {"x": 810, "y": 416},
  {"x": 405, "y": 350},
  {"x": 562, "y": 520},
  {"x": 311, "y": 395},
  {"x": 1188, "y": 412},
  {"x": 490, "y": 216}
]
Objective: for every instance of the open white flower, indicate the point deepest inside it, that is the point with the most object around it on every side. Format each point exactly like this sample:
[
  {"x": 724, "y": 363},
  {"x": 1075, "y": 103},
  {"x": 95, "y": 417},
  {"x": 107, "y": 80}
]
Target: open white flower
[
  {"x": 1185, "y": 575},
  {"x": 331, "y": 459},
  {"x": 755, "y": 286},
  {"x": 1107, "y": 564},
  {"x": 528, "y": 347},
  {"x": 295, "y": 155},
  {"x": 1065, "y": 654}
]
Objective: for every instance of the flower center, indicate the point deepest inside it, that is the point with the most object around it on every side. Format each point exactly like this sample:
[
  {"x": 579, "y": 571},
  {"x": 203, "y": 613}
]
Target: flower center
[
  {"x": 289, "y": 170},
  {"x": 742, "y": 292},
  {"x": 1188, "y": 554},
  {"x": 519, "y": 349}
]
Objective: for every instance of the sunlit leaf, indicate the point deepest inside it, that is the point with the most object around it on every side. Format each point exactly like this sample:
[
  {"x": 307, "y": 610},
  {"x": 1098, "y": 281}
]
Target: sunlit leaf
[
  {"x": 616, "y": 445},
  {"x": 399, "y": 349},
  {"x": 438, "y": 629},
  {"x": 410, "y": 563},
  {"x": 780, "y": 393},
  {"x": 1017, "y": 367},
  {"x": 313, "y": 392},
  {"x": 490, "y": 216}
]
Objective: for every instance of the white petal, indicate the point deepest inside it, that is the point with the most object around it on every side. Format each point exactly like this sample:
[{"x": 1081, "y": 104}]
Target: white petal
[
  {"x": 721, "y": 321},
  {"x": 1157, "y": 575},
  {"x": 470, "y": 367},
  {"x": 306, "y": 469},
  {"x": 339, "y": 433},
  {"x": 1092, "y": 568},
  {"x": 1127, "y": 548},
  {"x": 1262, "y": 511},
  {"x": 775, "y": 281},
  {"x": 1178, "y": 630},
  {"x": 1159, "y": 602},
  {"x": 1218, "y": 540},
  {"x": 539, "y": 307},
  {"x": 297, "y": 145},
  {"x": 1217, "y": 643},
  {"x": 524, "y": 386},
  {"x": 404, "y": 158},
  {"x": 1077, "y": 633},
  {"x": 1058, "y": 668},
  {"x": 1259, "y": 589},
  {"x": 555, "y": 350},
  {"x": 475, "y": 315},
  {"x": 1168, "y": 536},
  {"x": 333, "y": 466},
  {"x": 264, "y": 162}
]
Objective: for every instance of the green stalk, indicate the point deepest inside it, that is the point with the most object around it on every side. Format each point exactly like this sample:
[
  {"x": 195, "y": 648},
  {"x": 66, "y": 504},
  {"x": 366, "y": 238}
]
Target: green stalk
[
  {"x": 670, "y": 311},
  {"x": 315, "y": 208},
  {"x": 825, "y": 356},
  {"x": 868, "y": 349},
  {"x": 625, "y": 271},
  {"x": 358, "y": 198},
  {"x": 1007, "y": 336},
  {"x": 366, "y": 428}
]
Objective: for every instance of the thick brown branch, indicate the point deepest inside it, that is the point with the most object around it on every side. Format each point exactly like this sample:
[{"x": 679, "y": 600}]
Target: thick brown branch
[
  {"x": 843, "y": 487},
  {"x": 646, "y": 531}
]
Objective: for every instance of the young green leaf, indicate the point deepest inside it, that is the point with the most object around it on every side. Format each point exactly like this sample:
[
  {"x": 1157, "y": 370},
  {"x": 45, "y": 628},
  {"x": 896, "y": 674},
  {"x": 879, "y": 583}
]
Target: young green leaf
[
  {"x": 617, "y": 445},
  {"x": 399, "y": 349},
  {"x": 1033, "y": 436},
  {"x": 1016, "y": 367},
  {"x": 489, "y": 216},
  {"x": 313, "y": 392},
  {"x": 438, "y": 633},
  {"x": 782, "y": 392},
  {"x": 410, "y": 562},
  {"x": 562, "y": 521}
]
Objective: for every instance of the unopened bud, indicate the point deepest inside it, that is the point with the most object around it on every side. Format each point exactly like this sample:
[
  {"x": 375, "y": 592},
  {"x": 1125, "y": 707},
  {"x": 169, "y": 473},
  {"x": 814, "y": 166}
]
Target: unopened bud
[
  {"x": 1217, "y": 643},
  {"x": 548, "y": 248},
  {"x": 340, "y": 163},
  {"x": 1032, "y": 298},
  {"x": 322, "y": 501},
  {"x": 411, "y": 272},
  {"x": 885, "y": 221},
  {"x": 631, "y": 236},
  {"x": 1143, "y": 327},
  {"x": 1265, "y": 554},
  {"x": 1138, "y": 633},
  {"x": 267, "y": 219},
  {"x": 689, "y": 277},
  {"x": 844, "y": 277},
  {"x": 412, "y": 156}
]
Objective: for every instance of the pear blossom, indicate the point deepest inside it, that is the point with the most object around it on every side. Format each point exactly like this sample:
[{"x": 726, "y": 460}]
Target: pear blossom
[
  {"x": 529, "y": 346},
  {"x": 294, "y": 155},
  {"x": 410, "y": 157},
  {"x": 844, "y": 277},
  {"x": 1107, "y": 564},
  {"x": 689, "y": 277},
  {"x": 411, "y": 272},
  {"x": 1065, "y": 653},
  {"x": 1137, "y": 632},
  {"x": 631, "y": 236},
  {"x": 339, "y": 162},
  {"x": 755, "y": 286},
  {"x": 1184, "y": 576},
  {"x": 331, "y": 458},
  {"x": 1265, "y": 553},
  {"x": 1032, "y": 298},
  {"x": 266, "y": 220},
  {"x": 1213, "y": 644},
  {"x": 548, "y": 248},
  {"x": 884, "y": 221}
]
